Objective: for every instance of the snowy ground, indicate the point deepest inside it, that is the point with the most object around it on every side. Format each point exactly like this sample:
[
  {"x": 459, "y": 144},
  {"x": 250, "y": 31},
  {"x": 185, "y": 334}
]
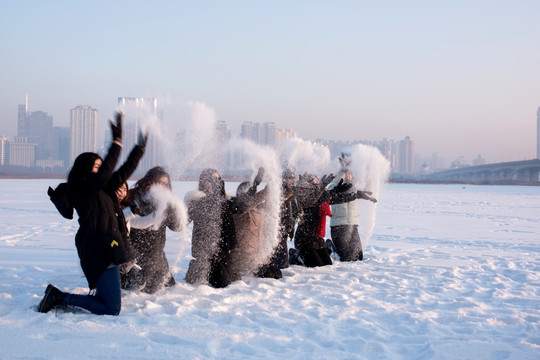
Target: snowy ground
[{"x": 451, "y": 272}]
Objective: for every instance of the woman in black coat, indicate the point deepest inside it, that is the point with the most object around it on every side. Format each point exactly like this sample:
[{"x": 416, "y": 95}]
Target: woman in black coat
[
  {"x": 149, "y": 243},
  {"x": 101, "y": 240}
]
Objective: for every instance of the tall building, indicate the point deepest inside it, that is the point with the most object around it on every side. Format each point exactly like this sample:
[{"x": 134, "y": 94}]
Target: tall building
[
  {"x": 246, "y": 131},
  {"x": 22, "y": 153},
  {"x": 538, "y": 133},
  {"x": 389, "y": 149},
  {"x": 223, "y": 134},
  {"x": 37, "y": 128},
  {"x": 438, "y": 162},
  {"x": 140, "y": 114},
  {"x": 263, "y": 134},
  {"x": 23, "y": 113},
  {"x": 62, "y": 145},
  {"x": 284, "y": 134},
  {"x": 4, "y": 150},
  {"x": 406, "y": 156},
  {"x": 270, "y": 134},
  {"x": 83, "y": 125}
]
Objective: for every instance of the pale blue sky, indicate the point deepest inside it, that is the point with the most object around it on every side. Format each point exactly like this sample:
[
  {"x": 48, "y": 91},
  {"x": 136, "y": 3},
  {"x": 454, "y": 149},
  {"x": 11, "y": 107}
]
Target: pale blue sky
[{"x": 458, "y": 77}]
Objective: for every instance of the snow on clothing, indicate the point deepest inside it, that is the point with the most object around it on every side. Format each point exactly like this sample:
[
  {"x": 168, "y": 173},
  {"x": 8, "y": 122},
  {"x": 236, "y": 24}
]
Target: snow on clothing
[
  {"x": 213, "y": 237},
  {"x": 344, "y": 226},
  {"x": 347, "y": 242},
  {"x": 290, "y": 213},
  {"x": 102, "y": 236},
  {"x": 149, "y": 246},
  {"x": 249, "y": 224},
  {"x": 137, "y": 222},
  {"x": 312, "y": 249}
]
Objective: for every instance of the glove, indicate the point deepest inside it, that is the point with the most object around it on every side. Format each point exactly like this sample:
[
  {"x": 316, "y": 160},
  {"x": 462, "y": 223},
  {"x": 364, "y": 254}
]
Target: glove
[
  {"x": 341, "y": 187},
  {"x": 365, "y": 195},
  {"x": 327, "y": 179},
  {"x": 117, "y": 129},
  {"x": 125, "y": 267},
  {"x": 143, "y": 138},
  {"x": 259, "y": 176}
]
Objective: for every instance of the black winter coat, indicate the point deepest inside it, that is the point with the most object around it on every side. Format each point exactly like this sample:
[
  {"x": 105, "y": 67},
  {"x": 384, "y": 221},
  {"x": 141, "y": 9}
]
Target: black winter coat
[
  {"x": 102, "y": 236},
  {"x": 305, "y": 236}
]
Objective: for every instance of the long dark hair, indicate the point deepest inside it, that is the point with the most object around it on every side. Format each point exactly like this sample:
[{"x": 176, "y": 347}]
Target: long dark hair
[
  {"x": 137, "y": 201},
  {"x": 82, "y": 166},
  {"x": 152, "y": 177}
]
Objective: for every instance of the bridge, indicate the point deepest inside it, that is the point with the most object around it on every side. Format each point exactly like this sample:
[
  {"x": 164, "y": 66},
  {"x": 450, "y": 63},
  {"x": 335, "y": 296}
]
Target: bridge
[{"x": 525, "y": 172}]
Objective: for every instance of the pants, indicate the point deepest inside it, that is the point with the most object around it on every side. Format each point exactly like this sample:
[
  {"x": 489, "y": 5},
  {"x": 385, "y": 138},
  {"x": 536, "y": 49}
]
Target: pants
[
  {"x": 107, "y": 300},
  {"x": 347, "y": 242},
  {"x": 220, "y": 271}
]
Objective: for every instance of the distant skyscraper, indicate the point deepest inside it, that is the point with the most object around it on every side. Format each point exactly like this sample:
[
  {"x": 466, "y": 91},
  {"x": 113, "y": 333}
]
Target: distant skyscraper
[
  {"x": 283, "y": 134},
  {"x": 406, "y": 156},
  {"x": 264, "y": 134},
  {"x": 246, "y": 131},
  {"x": 223, "y": 134},
  {"x": 4, "y": 150},
  {"x": 438, "y": 162},
  {"x": 37, "y": 128},
  {"x": 62, "y": 144},
  {"x": 22, "y": 125},
  {"x": 538, "y": 133},
  {"x": 84, "y": 121},
  {"x": 140, "y": 111},
  {"x": 22, "y": 153},
  {"x": 270, "y": 134}
]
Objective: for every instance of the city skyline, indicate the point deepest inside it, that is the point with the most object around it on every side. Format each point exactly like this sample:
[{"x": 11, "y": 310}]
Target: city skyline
[
  {"x": 458, "y": 78},
  {"x": 143, "y": 112}
]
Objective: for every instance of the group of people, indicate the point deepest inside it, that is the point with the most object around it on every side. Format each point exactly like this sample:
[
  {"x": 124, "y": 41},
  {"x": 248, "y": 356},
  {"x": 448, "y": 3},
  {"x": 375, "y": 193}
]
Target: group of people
[{"x": 122, "y": 232}]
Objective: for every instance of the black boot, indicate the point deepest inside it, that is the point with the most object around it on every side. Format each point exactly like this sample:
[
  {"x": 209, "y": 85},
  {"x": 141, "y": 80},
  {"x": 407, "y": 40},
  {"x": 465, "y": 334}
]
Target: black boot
[{"x": 53, "y": 297}]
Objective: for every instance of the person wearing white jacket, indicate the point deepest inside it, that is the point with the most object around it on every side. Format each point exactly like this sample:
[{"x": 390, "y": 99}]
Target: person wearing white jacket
[{"x": 345, "y": 220}]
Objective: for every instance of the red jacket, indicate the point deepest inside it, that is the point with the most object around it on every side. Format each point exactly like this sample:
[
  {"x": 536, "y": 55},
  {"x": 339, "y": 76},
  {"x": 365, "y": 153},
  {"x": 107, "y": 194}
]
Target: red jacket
[{"x": 324, "y": 211}]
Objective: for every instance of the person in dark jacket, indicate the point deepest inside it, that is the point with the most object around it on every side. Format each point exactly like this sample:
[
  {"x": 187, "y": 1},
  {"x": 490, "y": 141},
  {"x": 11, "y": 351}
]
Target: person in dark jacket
[
  {"x": 312, "y": 249},
  {"x": 149, "y": 243},
  {"x": 290, "y": 212},
  {"x": 214, "y": 237},
  {"x": 101, "y": 240}
]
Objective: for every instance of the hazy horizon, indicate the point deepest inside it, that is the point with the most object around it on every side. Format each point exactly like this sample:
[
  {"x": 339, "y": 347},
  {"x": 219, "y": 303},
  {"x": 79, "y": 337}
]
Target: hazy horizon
[{"x": 459, "y": 78}]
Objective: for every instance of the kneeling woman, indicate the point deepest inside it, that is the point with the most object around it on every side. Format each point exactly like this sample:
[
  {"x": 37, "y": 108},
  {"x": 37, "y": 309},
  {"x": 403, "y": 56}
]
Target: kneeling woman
[
  {"x": 101, "y": 240},
  {"x": 149, "y": 243}
]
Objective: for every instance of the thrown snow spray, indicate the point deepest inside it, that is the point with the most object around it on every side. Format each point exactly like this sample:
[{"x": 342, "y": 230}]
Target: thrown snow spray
[
  {"x": 140, "y": 115},
  {"x": 189, "y": 139},
  {"x": 254, "y": 156},
  {"x": 141, "y": 112},
  {"x": 165, "y": 199},
  {"x": 370, "y": 170},
  {"x": 305, "y": 156}
]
